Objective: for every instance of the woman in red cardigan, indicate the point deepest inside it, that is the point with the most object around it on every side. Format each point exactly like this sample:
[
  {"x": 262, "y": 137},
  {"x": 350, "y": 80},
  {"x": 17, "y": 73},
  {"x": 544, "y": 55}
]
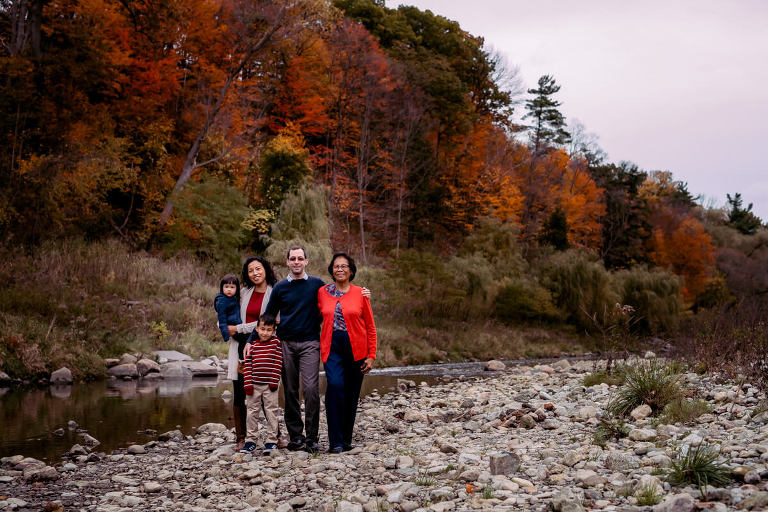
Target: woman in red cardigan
[{"x": 347, "y": 348}]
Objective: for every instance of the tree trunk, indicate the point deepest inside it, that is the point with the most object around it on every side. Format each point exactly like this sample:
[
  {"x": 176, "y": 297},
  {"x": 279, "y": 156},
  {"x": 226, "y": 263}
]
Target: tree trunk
[{"x": 190, "y": 162}]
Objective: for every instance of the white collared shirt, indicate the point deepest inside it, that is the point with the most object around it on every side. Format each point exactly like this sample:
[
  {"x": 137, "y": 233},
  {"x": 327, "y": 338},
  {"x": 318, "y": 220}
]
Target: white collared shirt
[{"x": 291, "y": 278}]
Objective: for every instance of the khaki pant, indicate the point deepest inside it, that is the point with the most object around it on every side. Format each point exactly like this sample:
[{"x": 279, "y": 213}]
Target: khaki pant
[{"x": 262, "y": 399}]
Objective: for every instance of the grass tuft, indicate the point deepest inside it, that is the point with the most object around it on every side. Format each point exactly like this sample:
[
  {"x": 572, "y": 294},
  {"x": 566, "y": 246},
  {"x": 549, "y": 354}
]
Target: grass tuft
[
  {"x": 487, "y": 493},
  {"x": 681, "y": 410},
  {"x": 648, "y": 495},
  {"x": 647, "y": 382},
  {"x": 698, "y": 466},
  {"x": 609, "y": 429}
]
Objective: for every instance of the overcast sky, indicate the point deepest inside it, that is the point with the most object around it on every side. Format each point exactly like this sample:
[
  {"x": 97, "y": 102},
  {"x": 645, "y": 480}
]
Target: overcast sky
[{"x": 678, "y": 85}]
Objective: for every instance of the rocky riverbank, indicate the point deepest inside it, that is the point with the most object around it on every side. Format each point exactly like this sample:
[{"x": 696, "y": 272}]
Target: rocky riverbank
[{"x": 521, "y": 438}]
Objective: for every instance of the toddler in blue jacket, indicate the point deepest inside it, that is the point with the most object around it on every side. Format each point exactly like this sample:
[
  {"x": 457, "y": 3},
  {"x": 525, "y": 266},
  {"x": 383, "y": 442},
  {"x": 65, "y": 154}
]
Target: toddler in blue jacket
[{"x": 227, "y": 305}]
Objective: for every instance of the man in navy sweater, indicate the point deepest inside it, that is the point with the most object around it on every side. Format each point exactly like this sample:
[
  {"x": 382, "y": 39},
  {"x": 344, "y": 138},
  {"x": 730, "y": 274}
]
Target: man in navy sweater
[{"x": 295, "y": 299}]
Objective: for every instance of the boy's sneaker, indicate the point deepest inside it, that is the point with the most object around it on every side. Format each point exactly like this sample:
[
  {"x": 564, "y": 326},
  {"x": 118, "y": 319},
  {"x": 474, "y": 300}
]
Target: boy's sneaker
[
  {"x": 268, "y": 447},
  {"x": 249, "y": 447}
]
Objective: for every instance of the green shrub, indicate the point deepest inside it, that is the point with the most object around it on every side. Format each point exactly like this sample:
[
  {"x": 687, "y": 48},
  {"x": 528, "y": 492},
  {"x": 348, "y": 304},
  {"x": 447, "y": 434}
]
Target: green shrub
[
  {"x": 654, "y": 295},
  {"x": 522, "y": 300},
  {"x": 646, "y": 382},
  {"x": 681, "y": 410},
  {"x": 648, "y": 494},
  {"x": 580, "y": 285},
  {"x": 207, "y": 221},
  {"x": 609, "y": 429},
  {"x": 615, "y": 378},
  {"x": 303, "y": 220},
  {"x": 698, "y": 466}
]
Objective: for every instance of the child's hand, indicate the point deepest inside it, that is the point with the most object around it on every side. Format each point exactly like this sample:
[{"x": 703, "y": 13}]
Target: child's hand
[
  {"x": 246, "y": 349},
  {"x": 273, "y": 387}
]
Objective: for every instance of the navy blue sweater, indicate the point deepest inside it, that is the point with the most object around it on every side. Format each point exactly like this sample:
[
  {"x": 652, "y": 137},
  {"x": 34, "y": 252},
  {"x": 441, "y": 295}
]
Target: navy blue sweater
[
  {"x": 228, "y": 313},
  {"x": 296, "y": 301}
]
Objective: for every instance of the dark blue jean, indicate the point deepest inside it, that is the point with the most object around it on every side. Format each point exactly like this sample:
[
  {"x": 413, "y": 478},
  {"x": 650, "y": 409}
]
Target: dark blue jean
[{"x": 344, "y": 380}]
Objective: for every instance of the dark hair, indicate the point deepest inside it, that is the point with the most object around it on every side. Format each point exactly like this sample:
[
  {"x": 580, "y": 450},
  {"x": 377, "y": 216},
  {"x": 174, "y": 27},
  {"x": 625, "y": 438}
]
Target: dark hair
[
  {"x": 267, "y": 319},
  {"x": 270, "y": 274},
  {"x": 352, "y": 266},
  {"x": 295, "y": 248},
  {"x": 230, "y": 279}
]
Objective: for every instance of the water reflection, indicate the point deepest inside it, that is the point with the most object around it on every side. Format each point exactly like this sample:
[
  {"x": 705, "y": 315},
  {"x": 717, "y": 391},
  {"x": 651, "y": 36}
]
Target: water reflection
[{"x": 118, "y": 412}]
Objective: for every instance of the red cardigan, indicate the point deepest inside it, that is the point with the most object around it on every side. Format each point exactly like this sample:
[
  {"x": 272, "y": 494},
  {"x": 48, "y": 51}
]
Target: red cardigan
[{"x": 358, "y": 316}]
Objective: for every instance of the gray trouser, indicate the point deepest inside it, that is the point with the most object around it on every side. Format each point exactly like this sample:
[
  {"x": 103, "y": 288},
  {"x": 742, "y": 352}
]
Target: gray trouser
[{"x": 301, "y": 358}]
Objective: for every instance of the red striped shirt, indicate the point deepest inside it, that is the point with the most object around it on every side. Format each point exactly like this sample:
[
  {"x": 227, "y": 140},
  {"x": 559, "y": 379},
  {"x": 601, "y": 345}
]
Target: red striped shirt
[{"x": 263, "y": 364}]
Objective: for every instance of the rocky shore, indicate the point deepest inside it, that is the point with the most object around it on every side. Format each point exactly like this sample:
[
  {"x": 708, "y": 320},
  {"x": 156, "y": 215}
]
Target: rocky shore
[{"x": 520, "y": 438}]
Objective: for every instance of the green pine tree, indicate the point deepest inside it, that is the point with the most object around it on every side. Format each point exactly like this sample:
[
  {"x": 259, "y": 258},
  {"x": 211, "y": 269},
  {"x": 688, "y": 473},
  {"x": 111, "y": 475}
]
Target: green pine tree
[
  {"x": 548, "y": 128},
  {"x": 742, "y": 218}
]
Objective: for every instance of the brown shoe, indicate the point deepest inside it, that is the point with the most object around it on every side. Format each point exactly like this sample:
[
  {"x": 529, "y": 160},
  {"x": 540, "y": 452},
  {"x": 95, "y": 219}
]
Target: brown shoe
[{"x": 240, "y": 444}]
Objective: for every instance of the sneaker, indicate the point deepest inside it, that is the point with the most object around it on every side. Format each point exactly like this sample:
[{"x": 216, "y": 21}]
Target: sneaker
[
  {"x": 268, "y": 447},
  {"x": 248, "y": 447},
  {"x": 335, "y": 450},
  {"x": 347, "y": 447},
  {"x": 311, "y": 446},
  {"x": 296, "y": 445}
]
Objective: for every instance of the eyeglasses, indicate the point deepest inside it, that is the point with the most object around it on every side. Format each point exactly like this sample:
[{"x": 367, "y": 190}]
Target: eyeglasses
[
  {"x": 340, "y": 267},
  {"x": 296, "y": 258}
]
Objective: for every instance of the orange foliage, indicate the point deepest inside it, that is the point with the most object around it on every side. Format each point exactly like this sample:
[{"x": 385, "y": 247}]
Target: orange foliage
[{"x": 680, "y": 243}]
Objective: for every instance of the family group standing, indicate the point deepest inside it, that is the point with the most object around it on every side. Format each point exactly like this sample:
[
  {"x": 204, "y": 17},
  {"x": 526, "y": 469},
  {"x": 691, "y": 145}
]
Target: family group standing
[{"x": 298, "y": 304}]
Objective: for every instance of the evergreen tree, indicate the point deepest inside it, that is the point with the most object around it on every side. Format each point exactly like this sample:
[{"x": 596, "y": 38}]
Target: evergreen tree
[
  {"x": 742, "y": 218},
  {"x": 548, "y": 128},
  {"x": 555, "y": 230}
]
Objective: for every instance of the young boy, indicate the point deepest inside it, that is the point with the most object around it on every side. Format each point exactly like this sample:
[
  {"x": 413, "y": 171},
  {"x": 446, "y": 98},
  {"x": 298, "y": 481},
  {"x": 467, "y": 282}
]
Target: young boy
[{"x": 262, "y": 379}]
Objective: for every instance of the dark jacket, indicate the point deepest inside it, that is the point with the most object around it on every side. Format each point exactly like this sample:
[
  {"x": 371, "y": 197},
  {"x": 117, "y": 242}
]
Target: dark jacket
[{"x": 228, "y": 311}]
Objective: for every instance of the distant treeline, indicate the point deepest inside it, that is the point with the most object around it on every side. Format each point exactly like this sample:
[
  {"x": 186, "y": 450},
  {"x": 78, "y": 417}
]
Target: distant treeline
[{"x": 185, "y": 125}]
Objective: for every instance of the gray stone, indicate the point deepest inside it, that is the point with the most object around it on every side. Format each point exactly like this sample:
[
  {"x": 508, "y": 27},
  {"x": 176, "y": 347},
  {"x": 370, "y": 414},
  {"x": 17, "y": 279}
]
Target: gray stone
[
  {"x": 347, "y": 506},
  {"x": 567, "y": 501},
  {"x": 752, "y": 477},
  {"x": 676, "y": 503},
  {"x": 527, "y": 421},
  {"x": 171, "y": 355},
  {"x": 136, "y": 449},
  {"x": 128, "y": 359},
  {"x": 589, "y": 478},
  {"x": 494, "y": 366},
  {"x": 40, "y": 474},
  {"x": 124, "y": 370},
  {"x": 617, "y": 461},
  {"x": 641, "y": 412},
  {"x": 89, "y": 440},
  {"x": 642, "y": 434},
  {"x": 152, "y": 487},
  {"x": 757, "y": 501},
  {"x": 171, "y": 435},
  {"x": 587, "y": 412},
  {"x": 61, "y": 376},
  {"x": 562, "y": 365},
  {"x": 504, "y": 463},
  {"x": 77, "y": 450},
  {"x": 145, "y": 366},
  {"x": 470, "y": 475},
  {"x": 4, "y": 378}
]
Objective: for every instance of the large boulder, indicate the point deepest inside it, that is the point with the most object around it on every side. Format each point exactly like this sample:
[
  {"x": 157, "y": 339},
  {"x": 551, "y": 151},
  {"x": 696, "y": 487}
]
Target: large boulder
[
  {"x": 145, "y": 366},
  {"x": 494, "y": 366},
  {"x": 61, "y": 376},
  {"x": 124, "y": 370},
  {"x": 128, "y": 359},
  {"x": 169, "y": 356}
]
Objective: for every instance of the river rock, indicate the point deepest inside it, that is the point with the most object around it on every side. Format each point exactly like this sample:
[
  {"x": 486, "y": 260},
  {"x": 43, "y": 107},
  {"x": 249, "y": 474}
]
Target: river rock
[
  {"x": 171, "y": 355},
  {"x": 124, "y": 370},
  {"x": 503, "y": 463},
  {"x": 61, "y": 376},
  {"x": 145, "y": 366},
  {"x": 757, "y": 501},
  {"x": 5, "y": 379},
  {"x": 136, "y": 449},
  {"x": 642, "y": 434},
  {"x": 171, "y": 435},
  {"x": 567, "y": 501},
  {"x": 211, "y": 428},
  {"x": 111, "y": 361},
  {"x": 40, "y": 474},
  {"x": 676, "y": 503},
  {"x": 494, "y": 366},
  {"x": 641, "y": 412},
  {"x": 89, "y": 440},
  {"x": 128, "y": 359}
]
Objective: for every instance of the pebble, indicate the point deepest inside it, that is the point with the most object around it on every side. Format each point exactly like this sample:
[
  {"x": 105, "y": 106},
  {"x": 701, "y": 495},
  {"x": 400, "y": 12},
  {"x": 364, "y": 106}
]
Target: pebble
[{"x": 516, "y": 439}]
